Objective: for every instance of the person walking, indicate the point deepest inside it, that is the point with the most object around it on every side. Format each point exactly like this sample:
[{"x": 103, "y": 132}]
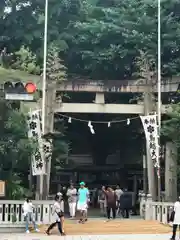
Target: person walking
[
  {"x": 126, "y": 203},
  {"x": 175, "y": 219},
  {"x": 29, "y": 215},
  {"x": 102, "y": 200},
  {"x": 111, "y": 199},
  {"x": 58, "y": 213},
  {"x": 72, "y": 199},
  {"x": 118, "y": 192},
  {"x": 82, "y": 204}
]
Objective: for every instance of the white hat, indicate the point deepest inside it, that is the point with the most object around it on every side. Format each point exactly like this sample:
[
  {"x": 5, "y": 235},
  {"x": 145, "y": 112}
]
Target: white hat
[{"x": 59, "y": 194}]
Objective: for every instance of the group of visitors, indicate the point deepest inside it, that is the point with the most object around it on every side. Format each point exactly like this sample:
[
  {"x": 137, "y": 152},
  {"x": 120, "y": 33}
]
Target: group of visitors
[
  {"x": 78, "y": 199},
  {"x": 115, "y": 202},
  {"x": 111, "y": 202}
]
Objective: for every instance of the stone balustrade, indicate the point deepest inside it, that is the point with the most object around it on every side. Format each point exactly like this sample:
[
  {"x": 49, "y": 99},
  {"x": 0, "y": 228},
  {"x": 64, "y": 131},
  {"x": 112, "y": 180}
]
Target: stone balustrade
[
  {"x": 12, "y": 219},
  {"x": 158, "y": 211},
  {"x": 11, "y": 214}
]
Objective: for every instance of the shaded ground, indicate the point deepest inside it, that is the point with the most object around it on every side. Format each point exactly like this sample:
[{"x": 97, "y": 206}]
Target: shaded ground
[{"x": 94, "y": 227}]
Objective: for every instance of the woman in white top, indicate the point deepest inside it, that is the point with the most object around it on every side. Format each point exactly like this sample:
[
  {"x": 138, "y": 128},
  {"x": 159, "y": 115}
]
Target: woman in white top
[
  {"x": 176, "y": 221},
  {"x": 29, "y": 215},
  {"x": 72, "y": 199},
  {"x": 58, "y": 213},
  {"x": 118, "y": 193}
]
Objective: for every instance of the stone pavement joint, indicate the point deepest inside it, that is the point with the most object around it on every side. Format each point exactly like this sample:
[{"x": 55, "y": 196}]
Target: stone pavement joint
[{"x": 85, "y": 237}]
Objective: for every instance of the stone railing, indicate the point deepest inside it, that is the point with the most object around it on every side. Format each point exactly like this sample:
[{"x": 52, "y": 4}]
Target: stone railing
[
  {"x": 158, "y": 211},
  {"x": 161, "y": 211},
  {"x": 12, "y": 219},
  {"x": 11, "y": 214}
]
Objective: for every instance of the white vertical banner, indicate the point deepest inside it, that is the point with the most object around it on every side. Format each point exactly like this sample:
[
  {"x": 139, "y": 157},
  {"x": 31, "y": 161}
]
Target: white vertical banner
[
  {"x": 151, "y": 133},
  {"x": 34, "y": 131},
  {"x": 46, "y": 144}
]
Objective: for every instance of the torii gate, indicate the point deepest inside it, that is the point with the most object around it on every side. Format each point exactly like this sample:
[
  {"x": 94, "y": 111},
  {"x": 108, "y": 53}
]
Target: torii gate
[{"x": 99, "y": 106}]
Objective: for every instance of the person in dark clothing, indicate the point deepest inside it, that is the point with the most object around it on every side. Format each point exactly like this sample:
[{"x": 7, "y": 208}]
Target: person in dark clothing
[
  {"x": 64, "y": 195},
  {"x": 111, "y": 199},
  {"x": 102, "y": 202},
  {"x": 126, "y": 203},
  {"x": 175, "y": 218}
]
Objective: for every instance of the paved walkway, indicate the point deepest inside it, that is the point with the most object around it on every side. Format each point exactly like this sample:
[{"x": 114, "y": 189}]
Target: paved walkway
[{"x": 94, "y": 237}]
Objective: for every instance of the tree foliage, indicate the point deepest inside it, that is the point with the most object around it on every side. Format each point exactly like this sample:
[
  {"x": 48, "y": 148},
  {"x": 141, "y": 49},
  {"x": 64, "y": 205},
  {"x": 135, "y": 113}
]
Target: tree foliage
[
  {"x": 56, "y": 71},
  {"x": 171, "y": 126},
  {"x": 170, "y": 131},
  {"x": 26, "y": 61},
  {"x": 98, "y": 39},
  {"x": 15, "y": 150}
]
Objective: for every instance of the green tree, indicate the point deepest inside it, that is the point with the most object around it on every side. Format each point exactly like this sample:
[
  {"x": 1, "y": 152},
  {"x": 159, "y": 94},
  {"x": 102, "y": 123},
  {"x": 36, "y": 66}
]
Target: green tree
[
  {"x": 171, "y": 130},
  {"x": 107, "y": 43},
  {"x": 171, "y": 126},
  {"x": 98, "y": 39},
  {"x": 56, "y": 70},
  {"x": 26, "y": 61},
  {"x": 56, "y": 73},
  {"x": 27, "y": 19},
  {"x": 15, "y": 151}
]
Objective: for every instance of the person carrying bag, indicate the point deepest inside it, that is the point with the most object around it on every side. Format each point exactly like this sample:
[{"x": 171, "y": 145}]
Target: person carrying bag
[{"x": 58, "y": 213}]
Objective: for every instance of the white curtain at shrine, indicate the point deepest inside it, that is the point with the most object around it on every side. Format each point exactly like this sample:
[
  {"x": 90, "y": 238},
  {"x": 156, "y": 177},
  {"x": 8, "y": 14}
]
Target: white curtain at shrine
[
  {"x": 151, "y": 134},
  {"x": 34, "y": 131}
]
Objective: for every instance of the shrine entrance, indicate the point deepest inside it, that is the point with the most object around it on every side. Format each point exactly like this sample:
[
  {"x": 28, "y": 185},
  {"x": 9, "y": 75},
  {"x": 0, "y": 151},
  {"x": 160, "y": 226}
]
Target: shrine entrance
[{"x": 111, "y": 154}]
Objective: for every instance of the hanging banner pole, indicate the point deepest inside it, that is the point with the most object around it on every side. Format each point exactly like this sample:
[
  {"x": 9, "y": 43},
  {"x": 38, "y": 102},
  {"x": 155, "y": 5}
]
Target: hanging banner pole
[
  {"x": 152, "y": 137},
  {"x": 159, "y": 94}
]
